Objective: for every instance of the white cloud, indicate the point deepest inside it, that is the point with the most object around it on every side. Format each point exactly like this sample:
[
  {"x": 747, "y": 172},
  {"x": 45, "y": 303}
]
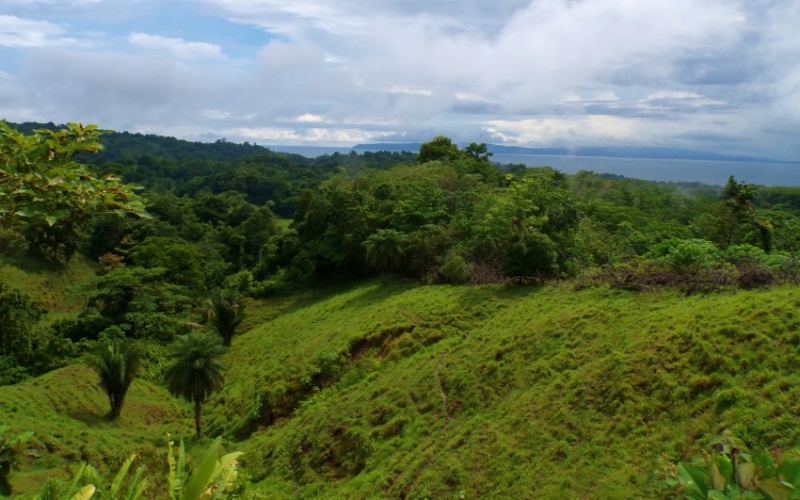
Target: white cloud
[
  {"x": 26, "y": 33},
  {"x": 321, "y": 136},
  {"x": 59, "y": 3},
  {"x": 178, "y": 47},
  {"x": 308, "y": 118},
  {"x": 565, "y": 71},
  {"x": 398, "y": 89}
]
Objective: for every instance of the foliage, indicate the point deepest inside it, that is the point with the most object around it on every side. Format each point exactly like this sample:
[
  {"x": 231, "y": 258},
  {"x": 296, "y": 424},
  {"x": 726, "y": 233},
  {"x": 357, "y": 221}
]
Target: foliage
[
  {"x": 139, "y": 300},
  {"x": 686, "y": 256},
  {"x": 48, "y": 195},
  {"x": 117, "y": 364},
  {"x": 196, "y": 371},
  {"x": 455, "y": 269},
  {"x": 225, "y": 312},
  {"x": 89, "y": 483},
  {"x": 731, "y": 471},
  {"x": 19, "y": 315},
  {"x": 386, "y": 249},
  {"x": 214, "y": 476},
  {"x": 438, "y": 149},
  {"x": 182, "y": 261}
]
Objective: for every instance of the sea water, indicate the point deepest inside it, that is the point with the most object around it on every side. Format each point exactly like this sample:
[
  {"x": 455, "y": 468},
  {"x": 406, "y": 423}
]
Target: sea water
[{"x": 711, "y": 172}]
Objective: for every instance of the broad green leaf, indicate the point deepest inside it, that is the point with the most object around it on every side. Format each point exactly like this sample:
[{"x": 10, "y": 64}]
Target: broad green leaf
[
  {"x": 745, "y": 471},
  {"x": 721, "y": 471},
  {"x": 718, "y": 495},
  {"x": 228, "y": 470},
  {"x": 92, "y": 475},
  {"x": 85, "y": 493},
  {"x": 774, "y": 489},
  {"x": 137, "y": 486},
  {"x": 76, "y": 481},
  {"x": 116, "y": 485},
  {"x": 693, "y": 479},
  {"x": 764, "y": 462},
  {"x": 790, "y": 470},
  {"x": 204, "y": 474},
  {"x": 175, "y": 484}
]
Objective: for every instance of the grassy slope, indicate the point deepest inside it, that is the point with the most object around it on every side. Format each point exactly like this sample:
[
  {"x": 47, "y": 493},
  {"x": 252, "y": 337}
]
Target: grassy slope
[
  {"x": 65, "y": 409},
  {"x": 48, "y": 283},
  {"x": 510, "y": 392},
  {"x": 490, "y": 391}
]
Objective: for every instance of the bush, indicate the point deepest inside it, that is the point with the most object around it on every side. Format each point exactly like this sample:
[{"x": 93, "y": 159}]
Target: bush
[
  {"x": 745, "y": 254},
  {"x": 686, "y": 256},
  {"x": 455, "y": 269}
]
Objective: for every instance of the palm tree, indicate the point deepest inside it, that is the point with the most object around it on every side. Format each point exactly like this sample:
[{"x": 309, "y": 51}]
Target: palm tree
[
  {"x": 196, "y": 371},
  {"x": 116, "y": 363},
  {"x": 225, "y": 313},
  {"x": 385, "y": 249}
]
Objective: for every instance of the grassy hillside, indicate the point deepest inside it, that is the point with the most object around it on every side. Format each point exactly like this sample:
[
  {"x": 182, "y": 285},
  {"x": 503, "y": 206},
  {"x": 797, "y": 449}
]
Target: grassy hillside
[
  {"x": 66, "y": 411},
  {"x": 406, "y": 391},
  {"x": 505, "y": 392}
]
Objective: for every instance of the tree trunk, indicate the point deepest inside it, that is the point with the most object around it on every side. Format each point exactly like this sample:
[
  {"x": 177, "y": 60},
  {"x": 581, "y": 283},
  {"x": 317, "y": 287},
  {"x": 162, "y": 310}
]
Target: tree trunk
[
  {"x": 116, "y": 408},
  {"x": 198, "y": 412}
]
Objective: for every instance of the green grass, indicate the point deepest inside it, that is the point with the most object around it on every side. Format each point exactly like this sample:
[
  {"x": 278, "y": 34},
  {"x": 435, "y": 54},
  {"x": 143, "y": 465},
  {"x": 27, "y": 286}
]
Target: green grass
[
  {"x": 388, "y": 388},
  {"x": 66, "y": 411},
  {"x": 47, "y": 283},
  {"x": 283, "y": 223},
  {"x": 507, "y": 392}
]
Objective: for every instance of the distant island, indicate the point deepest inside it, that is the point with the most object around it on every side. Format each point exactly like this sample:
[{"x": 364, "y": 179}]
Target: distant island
[{"x": 602, "y": 151}]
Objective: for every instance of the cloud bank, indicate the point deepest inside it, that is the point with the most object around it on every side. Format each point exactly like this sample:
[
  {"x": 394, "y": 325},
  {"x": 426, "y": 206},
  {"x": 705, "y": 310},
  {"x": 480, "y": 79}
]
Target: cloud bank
[{"x": 714, "y": 75}]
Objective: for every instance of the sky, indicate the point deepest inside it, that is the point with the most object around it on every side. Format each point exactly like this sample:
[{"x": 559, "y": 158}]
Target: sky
[{"x": 712, "y": 75}]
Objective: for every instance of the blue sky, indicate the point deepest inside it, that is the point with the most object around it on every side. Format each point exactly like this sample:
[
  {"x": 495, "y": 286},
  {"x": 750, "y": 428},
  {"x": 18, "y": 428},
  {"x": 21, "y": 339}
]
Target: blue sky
[{"x": 713, "y": 75}]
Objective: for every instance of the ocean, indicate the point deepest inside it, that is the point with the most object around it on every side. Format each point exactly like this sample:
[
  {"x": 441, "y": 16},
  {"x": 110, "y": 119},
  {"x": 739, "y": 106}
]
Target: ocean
[{"x": 714, "y": 173}]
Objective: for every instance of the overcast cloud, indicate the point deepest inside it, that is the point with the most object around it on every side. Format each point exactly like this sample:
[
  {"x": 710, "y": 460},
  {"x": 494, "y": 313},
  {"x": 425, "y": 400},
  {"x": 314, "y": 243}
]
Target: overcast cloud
[{"x": 713, "y": 75}]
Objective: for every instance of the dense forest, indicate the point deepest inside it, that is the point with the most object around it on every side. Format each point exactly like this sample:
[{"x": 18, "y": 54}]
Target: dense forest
[{"x": 187, "y": 238}]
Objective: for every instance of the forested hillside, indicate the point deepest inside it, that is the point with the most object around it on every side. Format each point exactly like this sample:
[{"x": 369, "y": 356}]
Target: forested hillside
[{"x": 385, "y": 324}]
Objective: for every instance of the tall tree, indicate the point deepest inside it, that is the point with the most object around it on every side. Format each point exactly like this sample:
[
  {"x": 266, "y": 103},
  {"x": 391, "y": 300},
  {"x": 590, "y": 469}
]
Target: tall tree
[
  {"x": 385, "y": 249},
  {"x": 49, "y": 196},
  {"x": 117, "y": 364},
  {"x": 225, "y": 313},
  {"x": 440, "y": 148},
  {"x": 196, "y": 371}
]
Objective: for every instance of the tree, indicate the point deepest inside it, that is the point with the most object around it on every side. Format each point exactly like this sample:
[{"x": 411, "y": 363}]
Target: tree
[
  {"x": 225, "y": 313},
  {"x": 385, "y": 250},
  {"x": 478, "y": 151},
  {"x": 18, "y": 316},
  {"x": 47, "y": 195},
  {"x": 117, "y": 364},
  {"x": 196, "y": 371},
  {"x": 531, "y": 254},
  {"x": 440, "y": 148},
  {"x": 182, "y": 260}
]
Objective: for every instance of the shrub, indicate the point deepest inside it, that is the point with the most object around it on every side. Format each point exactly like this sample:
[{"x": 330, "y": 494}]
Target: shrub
[{"x": 455, "y": 269}]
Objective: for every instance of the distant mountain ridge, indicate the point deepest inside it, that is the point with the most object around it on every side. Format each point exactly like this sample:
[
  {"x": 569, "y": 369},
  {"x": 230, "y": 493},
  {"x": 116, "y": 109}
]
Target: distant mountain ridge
[
  {"x": 126, "y": 146},
  {"x": 603, "y": 151}
]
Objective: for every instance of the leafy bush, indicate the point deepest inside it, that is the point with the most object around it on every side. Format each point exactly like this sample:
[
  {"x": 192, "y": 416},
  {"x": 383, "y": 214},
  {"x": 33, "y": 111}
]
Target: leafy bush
[
  {"x": 686, "y": 256},
  {"x": 731, "y": 471},
  {"x": 18, "y": 317},
  {"x": 455, "y": 269}
]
